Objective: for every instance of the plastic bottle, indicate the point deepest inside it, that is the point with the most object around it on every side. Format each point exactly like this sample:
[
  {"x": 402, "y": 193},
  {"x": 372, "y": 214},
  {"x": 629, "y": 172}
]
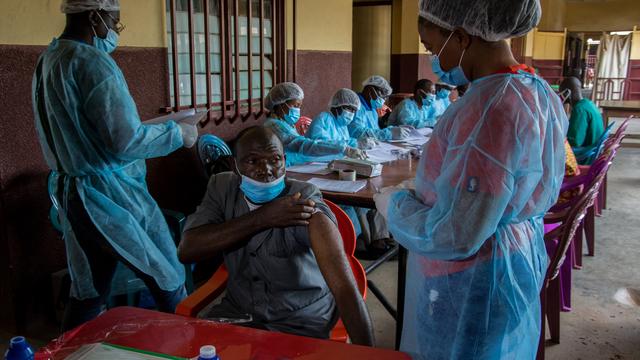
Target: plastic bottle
[
  {"x": 19, "y": 349},
  {"x": 208, "y": 352}
]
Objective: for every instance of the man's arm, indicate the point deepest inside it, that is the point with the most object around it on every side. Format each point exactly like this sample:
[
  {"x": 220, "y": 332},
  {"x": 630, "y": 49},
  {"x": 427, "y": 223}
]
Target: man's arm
[
  {"x": 327, "y": 246},
  {"x": 206, "y": 241}
]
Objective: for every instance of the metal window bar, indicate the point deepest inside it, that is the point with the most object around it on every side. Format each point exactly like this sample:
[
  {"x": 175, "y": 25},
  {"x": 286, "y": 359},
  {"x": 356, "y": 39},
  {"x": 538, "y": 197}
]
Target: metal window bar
[
  {"x": 192, "y": 58},
  {"x": 174, "y": 48},
  {"x": 249, "y": 112},
  {"x": 229, "y": 59}
]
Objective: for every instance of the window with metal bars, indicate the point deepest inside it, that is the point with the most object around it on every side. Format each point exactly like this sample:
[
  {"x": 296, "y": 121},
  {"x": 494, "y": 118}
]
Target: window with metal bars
[{"x": 203, "y": 62}]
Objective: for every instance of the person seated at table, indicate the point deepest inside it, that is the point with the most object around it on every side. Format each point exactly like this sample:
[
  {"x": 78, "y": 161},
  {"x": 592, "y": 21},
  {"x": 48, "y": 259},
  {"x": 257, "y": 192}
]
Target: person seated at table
[
  {"x": 585, "y": 123},
  {"x": 283, "y": 103},
  {"x": 287, "y": 268},
  {"x": 418, "y": 110},
  {"x": 333, "y": 125},
  {"x": 376, "y": 90},
  {"x": 442, "y": 101}
]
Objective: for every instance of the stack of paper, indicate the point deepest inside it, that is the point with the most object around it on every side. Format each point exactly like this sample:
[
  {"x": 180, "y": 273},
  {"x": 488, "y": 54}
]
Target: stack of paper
[
  {"x": 317, "y": 168},
  {"x": 338, "y": 185},
  {"x": 385, "y": 152}
]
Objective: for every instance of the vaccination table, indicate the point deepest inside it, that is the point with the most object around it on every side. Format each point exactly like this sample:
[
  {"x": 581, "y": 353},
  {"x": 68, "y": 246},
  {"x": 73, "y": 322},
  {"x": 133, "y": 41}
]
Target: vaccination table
[{"x": 182, "y": 337}]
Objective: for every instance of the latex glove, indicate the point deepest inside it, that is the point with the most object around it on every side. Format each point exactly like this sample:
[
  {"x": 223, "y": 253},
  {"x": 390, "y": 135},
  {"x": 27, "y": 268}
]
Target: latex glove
[
  {"x": 409, "y": 184},
  {"x": 194, "y": 119},
  {"x": 355, "y": 153},
  {"x": 367, "y": 143},
  {"x": 189, "y": 134},
  {"x": 398, "y": 133},
  {"x": 383, "y": 198}
]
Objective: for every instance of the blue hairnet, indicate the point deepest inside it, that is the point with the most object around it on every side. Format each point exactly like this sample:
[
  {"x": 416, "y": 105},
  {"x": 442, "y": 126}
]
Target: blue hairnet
[
  {"x": 379, "y": 82},
  {"x": 474, "y": 223},
  {"x": 282, "y": 93},
  {"x": 491, "y": 20},
  {"x": 100, "y": 146},
  {"x": 78, "y": 6},
  {"x": 345, "y": 97}
]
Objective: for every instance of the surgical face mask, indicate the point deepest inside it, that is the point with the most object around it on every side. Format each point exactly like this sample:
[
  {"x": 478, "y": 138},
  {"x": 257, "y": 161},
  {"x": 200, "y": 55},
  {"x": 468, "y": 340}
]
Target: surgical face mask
[
  {"x": 454, "y": 76},
  {"x": 345, "y": 118},
  {"x": 259, "y": 192},
  {"x": 378, "y": 103},
  {"x": 443, "y": 94},
  {"x": 292, "y": 116},
  {"x": 427, "y": 98},
  {"x": 108, "y": 44}
]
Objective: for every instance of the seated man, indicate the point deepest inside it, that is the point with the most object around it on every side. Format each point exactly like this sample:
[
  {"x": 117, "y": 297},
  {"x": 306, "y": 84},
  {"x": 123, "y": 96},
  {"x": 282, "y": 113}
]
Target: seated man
[
  {"x": 375, "y": 91},
  {"x": 585, "y": 123},
  {"x": 287, "y": 267},
  {"x": 418, "y": 110}
]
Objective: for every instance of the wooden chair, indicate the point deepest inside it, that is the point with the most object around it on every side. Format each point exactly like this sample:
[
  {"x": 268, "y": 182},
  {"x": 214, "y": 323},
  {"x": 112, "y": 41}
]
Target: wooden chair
[{"x": 216, "y": 285}]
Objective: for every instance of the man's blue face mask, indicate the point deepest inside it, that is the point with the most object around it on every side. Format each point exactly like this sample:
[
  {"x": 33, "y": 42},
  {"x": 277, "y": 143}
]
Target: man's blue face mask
[
  {"x": 108, "y": 44},
  {"x": 345, "y": 118},
  {"x": 454, "y": 76},
  {"x": 259, "y": 192}
]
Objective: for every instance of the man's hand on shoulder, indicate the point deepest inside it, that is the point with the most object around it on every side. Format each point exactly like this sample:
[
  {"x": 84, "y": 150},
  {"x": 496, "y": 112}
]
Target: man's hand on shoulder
[{"x": 286, "y": 211}]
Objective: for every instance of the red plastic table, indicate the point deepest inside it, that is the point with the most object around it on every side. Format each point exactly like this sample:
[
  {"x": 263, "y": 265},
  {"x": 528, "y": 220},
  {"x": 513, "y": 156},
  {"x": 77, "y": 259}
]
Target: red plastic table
[{"x": 180, "y": 336}]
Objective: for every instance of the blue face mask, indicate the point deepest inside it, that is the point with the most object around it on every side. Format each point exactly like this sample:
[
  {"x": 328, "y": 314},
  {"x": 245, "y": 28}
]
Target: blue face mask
[
  {"x": 454, "y": 76},
  {"x": 259, "y": 192},
  {"x": 293, "y": 116},
  {"x": 428, "y": 99},
  {"x": 443, "y": 94},
  {"x": 345, "y": 118},
  {"x": 108, "y": 44},
  {"x": 378, "y": 103}
]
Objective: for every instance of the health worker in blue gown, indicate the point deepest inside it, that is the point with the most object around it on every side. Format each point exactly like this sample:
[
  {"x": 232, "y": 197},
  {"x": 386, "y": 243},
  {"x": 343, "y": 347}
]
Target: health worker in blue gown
[
  {"x": 473, "y": 221},
  {"x": 96, "y": 146}
]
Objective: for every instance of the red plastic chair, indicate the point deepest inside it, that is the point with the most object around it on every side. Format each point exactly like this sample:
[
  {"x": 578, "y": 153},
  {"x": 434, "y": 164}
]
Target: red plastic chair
[
  {"x": 569, "y": 222},
  {"x": 216, "y": 285},
  {"x": 303, "y": 125}
]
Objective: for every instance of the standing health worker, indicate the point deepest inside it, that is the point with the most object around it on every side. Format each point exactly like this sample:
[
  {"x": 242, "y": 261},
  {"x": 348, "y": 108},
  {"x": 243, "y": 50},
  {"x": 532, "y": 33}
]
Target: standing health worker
[
  {"x": 94, "y": 142},
  {"x": 473, "y": 225}
]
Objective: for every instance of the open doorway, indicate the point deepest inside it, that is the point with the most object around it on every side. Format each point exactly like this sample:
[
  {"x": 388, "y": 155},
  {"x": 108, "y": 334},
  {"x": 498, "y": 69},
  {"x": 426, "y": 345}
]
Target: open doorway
[{"x": 371, "y": 40}]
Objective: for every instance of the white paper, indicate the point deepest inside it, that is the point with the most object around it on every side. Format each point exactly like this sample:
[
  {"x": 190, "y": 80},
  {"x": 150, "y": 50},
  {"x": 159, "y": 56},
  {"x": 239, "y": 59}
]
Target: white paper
[
  {"x": 385, "y": 152},
  {"x": 317, "y": 168},
  {"x": 339, "y": 185},
  {"x": 190, "y": 116}
]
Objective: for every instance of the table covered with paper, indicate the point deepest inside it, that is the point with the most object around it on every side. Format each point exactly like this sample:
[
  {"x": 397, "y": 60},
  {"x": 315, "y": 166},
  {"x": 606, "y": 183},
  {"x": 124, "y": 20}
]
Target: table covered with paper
[{"x": 399, "y": 164}]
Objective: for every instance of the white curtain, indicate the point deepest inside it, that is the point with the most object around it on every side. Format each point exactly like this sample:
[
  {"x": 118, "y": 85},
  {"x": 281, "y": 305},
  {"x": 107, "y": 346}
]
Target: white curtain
[{"x": 613, "y": 62}]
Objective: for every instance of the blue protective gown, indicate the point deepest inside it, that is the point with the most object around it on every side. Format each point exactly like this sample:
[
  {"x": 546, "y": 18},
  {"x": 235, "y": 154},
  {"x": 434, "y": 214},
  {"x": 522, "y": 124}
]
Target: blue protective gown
[
  {"x": 365, "y": 123},
  {"x": 408, "y": 113},
  {"x": 325, "y": 127},
  {"x": 440, "y": 105},
  {"x": 99, "y": 146},
  {"x": 299, "y": 149},
  {"x": 473, "y": 226}
]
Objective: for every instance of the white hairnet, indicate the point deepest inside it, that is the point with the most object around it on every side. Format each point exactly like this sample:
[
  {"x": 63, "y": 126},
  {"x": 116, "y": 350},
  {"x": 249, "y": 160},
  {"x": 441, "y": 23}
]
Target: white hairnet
[
  {"x": 78, "y": 6},
  {"x": 345, "y": 97},
  {"x": 282, "y": 93},
  {"x": 379, "y": 82},
  {"x": 491, "y": 20}
]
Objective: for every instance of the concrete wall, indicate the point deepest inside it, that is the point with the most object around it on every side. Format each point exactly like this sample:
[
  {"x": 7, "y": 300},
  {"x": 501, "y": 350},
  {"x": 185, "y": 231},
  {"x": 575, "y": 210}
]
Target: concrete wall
[
  {"x": 324, "y": 49},
  {"x": 371, "y": 43},
  {"x": 609, "y": 15}
]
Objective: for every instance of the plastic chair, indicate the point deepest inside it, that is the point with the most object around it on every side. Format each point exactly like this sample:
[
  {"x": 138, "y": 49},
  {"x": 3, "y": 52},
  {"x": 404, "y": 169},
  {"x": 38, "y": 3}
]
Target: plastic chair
[
  {"x": 216, "y": 285},
  {"x": 586, "y": 155},
  {"x": 303, "y": 125},
  {"x": 561, "y": 237}
]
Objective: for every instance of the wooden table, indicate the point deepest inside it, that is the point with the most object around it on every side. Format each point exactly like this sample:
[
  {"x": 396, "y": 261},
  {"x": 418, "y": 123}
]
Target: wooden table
[
  {"x": 623, "y": 109},
  {"x": 393, "y": 173},
  {"x": 182, "y": 337}
]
